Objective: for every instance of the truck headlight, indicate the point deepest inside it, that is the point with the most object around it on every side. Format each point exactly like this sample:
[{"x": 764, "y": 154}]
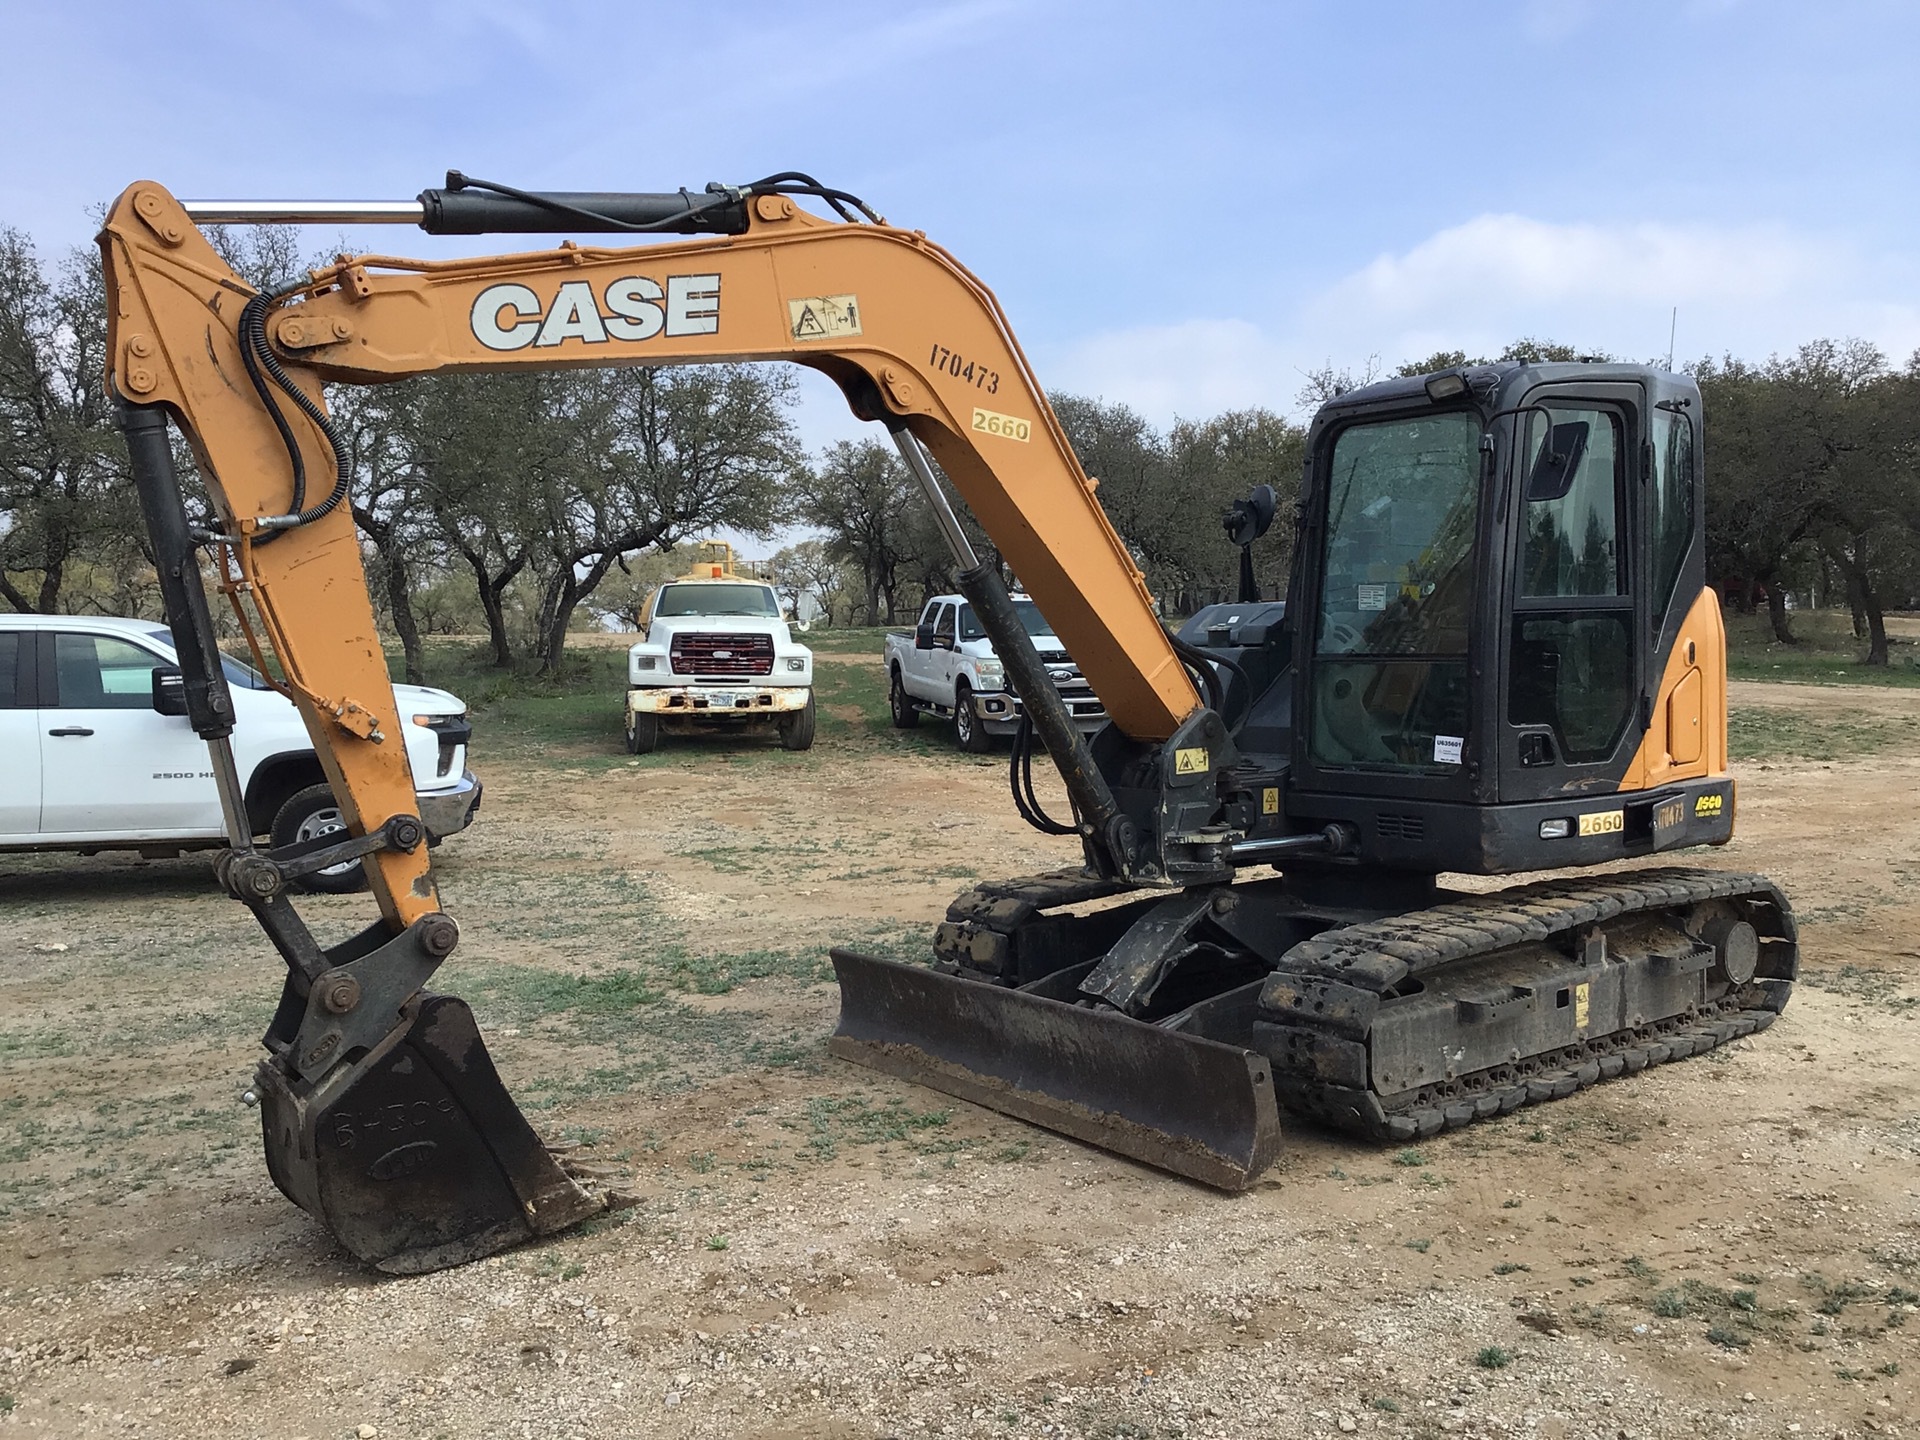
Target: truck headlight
[
  {"x": 796, "y": 662},
  {"x": 990, "y": 669},
  {"x": 643, "y": 662}
]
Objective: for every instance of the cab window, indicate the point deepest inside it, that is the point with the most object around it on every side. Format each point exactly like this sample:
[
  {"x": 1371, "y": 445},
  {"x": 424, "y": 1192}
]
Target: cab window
[
  {"x": 1672, "y": 503},
  {"x": 1572, "y": 641},
  {"x": 943, "y": 627},
  {"x": 9, "y": 671},
  {"x": 98, "y": 672},
  {"x": 1573, "y": 504}
]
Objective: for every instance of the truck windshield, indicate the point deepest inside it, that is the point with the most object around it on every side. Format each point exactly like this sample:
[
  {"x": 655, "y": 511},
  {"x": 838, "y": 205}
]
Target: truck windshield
[
  {"x": 1396, "y": 597},
  {"x": 1029, "y": 613},
  {"x": 721, "y": 599}
]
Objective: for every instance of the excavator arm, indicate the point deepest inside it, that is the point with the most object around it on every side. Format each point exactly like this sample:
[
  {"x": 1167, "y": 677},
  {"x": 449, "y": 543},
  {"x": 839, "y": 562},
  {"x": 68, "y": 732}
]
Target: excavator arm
[{"x": 382, "y": 1114}]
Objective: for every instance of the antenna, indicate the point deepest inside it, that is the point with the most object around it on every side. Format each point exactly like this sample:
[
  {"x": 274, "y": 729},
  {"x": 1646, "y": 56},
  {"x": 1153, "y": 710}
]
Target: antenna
[{"x": 1673, "y": 327}]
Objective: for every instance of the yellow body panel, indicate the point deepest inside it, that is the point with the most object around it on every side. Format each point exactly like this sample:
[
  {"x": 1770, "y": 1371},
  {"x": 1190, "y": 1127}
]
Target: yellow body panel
[{"x": 1687, "y": 739}]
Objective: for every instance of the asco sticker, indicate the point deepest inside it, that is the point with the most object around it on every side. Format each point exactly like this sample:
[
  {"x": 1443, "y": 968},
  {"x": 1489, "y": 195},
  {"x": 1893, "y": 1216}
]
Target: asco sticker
[
  {"x": 1709, "y": 805},
  {"x": 632, "y": 307}
]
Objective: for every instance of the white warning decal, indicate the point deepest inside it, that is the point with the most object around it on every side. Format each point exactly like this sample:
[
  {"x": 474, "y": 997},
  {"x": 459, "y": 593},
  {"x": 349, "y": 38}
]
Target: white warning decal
[{"x": 824, "y": 317}]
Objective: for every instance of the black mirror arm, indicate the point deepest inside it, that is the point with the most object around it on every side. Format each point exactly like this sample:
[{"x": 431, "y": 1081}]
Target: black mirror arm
[{"x": 1546, "y": 414}]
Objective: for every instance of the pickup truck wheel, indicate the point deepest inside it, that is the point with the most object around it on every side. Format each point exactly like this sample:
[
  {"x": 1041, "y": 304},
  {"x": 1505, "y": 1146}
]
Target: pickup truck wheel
[
  {"x": 643, "y": 733},
  {"x": 967, "y": 729},
  {"x": 905, "y": 717},
  {"x": 796, "y": 731},
  {"x": 307, "y": 815}
]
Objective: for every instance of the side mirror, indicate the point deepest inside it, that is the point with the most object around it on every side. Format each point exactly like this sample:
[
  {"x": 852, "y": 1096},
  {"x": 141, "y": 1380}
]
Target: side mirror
[
  {"x": 923, "y": 637},
  {"x": 1247, "y": 520},
  {"x": 1559, "y": 462},
  {"x": 169, "y": 690}
]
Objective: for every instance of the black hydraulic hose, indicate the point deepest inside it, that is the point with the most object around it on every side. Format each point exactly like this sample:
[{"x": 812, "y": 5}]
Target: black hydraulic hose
[
  {"x": 1200, "y": 660},
  {"x": 257, "y": 354},
  {"x": 1020, "y": 780}
]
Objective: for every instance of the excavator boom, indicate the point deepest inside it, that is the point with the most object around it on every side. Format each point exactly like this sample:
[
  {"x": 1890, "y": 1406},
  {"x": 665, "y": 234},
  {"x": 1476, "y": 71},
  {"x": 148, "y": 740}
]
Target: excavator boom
[{"x": 911, "y": 338}]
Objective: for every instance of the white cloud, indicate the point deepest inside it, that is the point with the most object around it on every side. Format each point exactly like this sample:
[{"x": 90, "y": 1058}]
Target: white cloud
[{"x": 1748, "y": 290}]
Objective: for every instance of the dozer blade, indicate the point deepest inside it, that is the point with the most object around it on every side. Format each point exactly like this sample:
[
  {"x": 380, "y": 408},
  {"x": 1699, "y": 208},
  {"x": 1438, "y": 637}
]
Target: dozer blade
[
  {"x": 415, "y": 1157},
  {"x": 1178, "y": 1102}
]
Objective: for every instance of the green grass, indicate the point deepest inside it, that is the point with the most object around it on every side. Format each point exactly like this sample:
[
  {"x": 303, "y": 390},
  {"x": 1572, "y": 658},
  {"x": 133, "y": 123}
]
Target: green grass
[
  {"x": 850, "y": 640},
  {"x": 1827, "y": 653},
  {"x": 1492, "y": 1357},
  {"x": 573, "y": 718},
  {"x": 1765, "y": 733}
]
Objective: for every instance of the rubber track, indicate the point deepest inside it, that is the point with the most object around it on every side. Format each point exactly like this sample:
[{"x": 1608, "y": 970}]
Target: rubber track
[{"x": 1381, "y": 954}]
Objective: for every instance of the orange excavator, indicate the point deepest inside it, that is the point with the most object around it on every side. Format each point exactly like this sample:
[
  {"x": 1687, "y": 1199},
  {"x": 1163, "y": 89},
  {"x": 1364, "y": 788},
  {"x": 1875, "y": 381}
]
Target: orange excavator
[{"x": 1498, "y": 655}]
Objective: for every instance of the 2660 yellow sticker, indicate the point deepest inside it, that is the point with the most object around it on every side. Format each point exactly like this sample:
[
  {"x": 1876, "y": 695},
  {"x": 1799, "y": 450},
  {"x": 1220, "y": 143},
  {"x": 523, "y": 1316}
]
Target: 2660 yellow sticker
[
  {"x": 1008, "y": 427},
  {"x": 1603, "y": 822}
]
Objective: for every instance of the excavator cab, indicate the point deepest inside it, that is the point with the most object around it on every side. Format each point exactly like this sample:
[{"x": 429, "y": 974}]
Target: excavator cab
[{"x": 1498, "y": 624}]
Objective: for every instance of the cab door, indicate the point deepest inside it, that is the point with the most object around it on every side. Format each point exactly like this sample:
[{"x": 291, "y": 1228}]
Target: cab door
[
  {"x": 19, "y": 738},
  {"x": 1573, "y": 668},
  {"x": 112, "y": 764}
]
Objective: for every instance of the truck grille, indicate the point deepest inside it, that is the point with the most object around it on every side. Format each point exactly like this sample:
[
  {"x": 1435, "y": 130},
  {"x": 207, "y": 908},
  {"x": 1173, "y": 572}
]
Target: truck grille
[{"x": 722, "y": 654}]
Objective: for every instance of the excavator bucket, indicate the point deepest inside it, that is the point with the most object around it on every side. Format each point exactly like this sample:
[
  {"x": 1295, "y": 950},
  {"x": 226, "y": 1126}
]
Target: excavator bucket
[
  {"x": 415, "y": 1157},
  {"x": 1175, "y": 1101}
]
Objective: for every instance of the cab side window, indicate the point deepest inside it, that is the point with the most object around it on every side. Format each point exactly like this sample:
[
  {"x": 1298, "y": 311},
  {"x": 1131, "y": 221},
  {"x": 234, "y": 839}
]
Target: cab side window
[
  {"x": 1572, "y": 643},
  {"x": 1672, "y": 503},
  {"x": 943, "y": 627},
  {"x": 10, "y": 648},
  {"x": 1572, "y": 537},
  {"x": 97, "y": 672}
]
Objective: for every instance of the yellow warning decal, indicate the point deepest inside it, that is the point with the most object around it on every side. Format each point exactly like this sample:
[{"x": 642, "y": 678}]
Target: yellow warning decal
[
  {"x": 1603, "y": 822},
  {"x": 824, "y": 317},
  {"x": 1708, "y": 805},
  {"x": 1270, "y": 800},
  {"x": 1582, "y": 1005},
  {"x": 1191, "y": 761}
]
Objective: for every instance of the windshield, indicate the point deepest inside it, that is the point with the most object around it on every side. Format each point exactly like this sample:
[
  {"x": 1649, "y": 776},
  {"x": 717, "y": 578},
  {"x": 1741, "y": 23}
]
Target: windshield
[
  {"x": 1029, "y": 613},
  {"x": 245, "y": 676},
  {"x": 1396, "y": 598},
  {"x": 717, "y": 599}
]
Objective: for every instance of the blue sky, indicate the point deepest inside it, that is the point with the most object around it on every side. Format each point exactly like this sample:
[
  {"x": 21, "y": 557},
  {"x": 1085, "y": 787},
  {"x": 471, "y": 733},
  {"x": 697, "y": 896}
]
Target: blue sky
[{"x": 1183, "y": 207}]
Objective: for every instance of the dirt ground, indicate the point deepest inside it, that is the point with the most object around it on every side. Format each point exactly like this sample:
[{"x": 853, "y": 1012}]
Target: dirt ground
[{"x": 1729, "y": 1246}]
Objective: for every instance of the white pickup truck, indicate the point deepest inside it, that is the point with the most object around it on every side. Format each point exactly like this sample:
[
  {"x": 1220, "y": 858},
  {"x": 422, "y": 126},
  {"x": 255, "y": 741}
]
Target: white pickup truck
[
  {"x": 946, "y": 667},
  {"x": 96, "y": 752},
  {"x": 715, "y": 651}
]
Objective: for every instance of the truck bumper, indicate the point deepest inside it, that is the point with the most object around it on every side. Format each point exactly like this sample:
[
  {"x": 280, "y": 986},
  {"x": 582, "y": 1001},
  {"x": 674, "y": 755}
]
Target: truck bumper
[
  {"x": 447, "y": 812},
  {"x": 999, "y": 711},
  {"x": 717, "y": 702}
]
